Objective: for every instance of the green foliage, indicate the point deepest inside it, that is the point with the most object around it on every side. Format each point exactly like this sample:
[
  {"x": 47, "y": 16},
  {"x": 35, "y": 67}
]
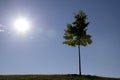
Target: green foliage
[{"x": 76, "y": 34}]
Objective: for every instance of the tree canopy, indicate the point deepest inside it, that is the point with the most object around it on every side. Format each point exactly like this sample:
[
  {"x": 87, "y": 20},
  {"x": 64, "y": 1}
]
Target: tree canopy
[{"x": 76, "y": 33}]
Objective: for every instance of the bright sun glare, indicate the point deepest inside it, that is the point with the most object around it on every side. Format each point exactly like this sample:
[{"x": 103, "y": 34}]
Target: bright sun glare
[{"x": 21, "y": 25}]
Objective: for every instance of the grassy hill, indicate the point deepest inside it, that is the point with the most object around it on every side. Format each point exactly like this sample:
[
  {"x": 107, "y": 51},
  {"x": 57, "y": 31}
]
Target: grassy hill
[{"x": 53, "y": 77}]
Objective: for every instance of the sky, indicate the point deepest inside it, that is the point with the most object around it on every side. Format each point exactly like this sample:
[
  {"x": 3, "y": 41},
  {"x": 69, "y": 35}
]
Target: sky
[{"x": 41, "y": 50}]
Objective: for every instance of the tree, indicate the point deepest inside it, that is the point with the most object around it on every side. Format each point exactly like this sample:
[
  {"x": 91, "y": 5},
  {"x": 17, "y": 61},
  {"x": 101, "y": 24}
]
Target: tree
[{"x": 76, "y": 34}]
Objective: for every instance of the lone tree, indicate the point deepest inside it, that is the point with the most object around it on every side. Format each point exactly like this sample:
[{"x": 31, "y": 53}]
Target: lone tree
[{"x": 76, "y": 34}]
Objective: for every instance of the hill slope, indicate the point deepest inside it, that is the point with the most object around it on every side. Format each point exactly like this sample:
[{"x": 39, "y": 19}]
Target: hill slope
[{"x": 53, "y": 77}]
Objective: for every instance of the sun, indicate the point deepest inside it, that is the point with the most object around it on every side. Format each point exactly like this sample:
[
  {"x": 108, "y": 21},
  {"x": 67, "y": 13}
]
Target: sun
[{"x": 21, "y": 25}]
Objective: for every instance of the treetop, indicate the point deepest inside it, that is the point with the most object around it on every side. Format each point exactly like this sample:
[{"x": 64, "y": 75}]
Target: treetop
[{"x": 76, "y": 33}]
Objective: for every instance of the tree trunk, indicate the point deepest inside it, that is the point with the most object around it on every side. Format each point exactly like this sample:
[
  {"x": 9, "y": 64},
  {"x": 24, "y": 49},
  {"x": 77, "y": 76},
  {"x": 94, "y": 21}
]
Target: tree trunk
[{"x": 79, "y": 60}]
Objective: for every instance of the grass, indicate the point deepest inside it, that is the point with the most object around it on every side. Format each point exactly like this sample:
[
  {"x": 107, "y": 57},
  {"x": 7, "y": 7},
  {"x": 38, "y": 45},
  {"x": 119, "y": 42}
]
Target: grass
[{"x": 54, "y": 77}]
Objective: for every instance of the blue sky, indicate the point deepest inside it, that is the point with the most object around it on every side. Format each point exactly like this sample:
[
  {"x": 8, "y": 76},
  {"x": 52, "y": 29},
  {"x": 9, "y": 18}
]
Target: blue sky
[{"x": 41, "y": 51}]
